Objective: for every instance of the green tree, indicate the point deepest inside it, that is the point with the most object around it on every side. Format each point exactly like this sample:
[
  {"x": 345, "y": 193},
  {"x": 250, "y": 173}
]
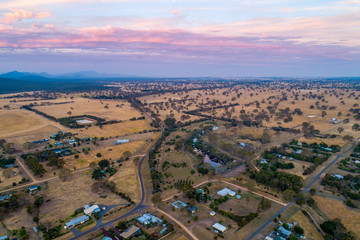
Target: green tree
[
  {"x": 289, "y": 195},
  {"x": 98, "y": 174},
  {"x": 104, "y": 163},
  {"x": 340, "y": 129}
]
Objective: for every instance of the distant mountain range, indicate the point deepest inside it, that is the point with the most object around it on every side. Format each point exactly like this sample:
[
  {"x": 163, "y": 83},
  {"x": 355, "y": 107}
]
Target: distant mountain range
[{"x": 46, "y": 76}]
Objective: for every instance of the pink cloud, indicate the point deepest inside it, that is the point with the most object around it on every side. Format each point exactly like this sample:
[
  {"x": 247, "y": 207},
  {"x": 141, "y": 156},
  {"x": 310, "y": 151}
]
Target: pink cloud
[
  {"x": 176, "y": 12},
  {"x": 21, "y": 14}
]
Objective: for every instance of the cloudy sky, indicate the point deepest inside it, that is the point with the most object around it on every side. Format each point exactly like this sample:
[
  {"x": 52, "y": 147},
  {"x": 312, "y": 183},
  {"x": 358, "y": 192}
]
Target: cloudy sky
[{"x": 226, "y": 38}]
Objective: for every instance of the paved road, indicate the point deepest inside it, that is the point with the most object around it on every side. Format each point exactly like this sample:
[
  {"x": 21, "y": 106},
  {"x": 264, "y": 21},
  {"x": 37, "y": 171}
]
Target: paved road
[
  {"x": 138, "y": 208},
  {"x": 306, "y": 189},
  {"x": 331, "y": 196}
]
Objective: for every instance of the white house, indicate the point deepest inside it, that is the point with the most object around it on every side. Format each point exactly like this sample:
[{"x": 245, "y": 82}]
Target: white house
[
  {"x": 219, "y": 228},
  {"x": 93, "y": 209},
  {"x": 226, "y": 191}
]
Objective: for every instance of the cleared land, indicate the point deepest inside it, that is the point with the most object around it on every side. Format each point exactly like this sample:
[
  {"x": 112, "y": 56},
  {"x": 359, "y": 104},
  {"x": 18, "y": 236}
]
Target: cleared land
[
  {"x": 107, "y": 109},
  {"x": 110, "y": 153},
  {"x": 63, "y": 198},
  {"x": 303, "y": 221},
  {"x": 335, "y": 209},
  {"x": 19, "y": 121},
  {"x": 117, "y": 129}
]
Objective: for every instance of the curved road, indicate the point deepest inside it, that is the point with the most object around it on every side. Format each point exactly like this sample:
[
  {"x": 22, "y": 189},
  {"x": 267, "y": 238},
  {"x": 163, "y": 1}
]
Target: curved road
[
  {"x": 306, "y": 189},
  {"x": 140, "y": 207}
]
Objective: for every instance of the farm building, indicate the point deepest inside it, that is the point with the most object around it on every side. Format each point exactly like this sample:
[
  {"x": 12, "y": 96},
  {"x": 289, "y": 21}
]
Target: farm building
[
  {"x": 8, "y": 165},
  {"x": 130, "y": 232},
  {"x": 219, "y": 228},
  {"x": 192, "y": 210},
  {"x": 263, "y": 161},
  {"x": 298, "y": 151},
  {"x": 84, "y": 121},
  {"x": 200, "y": 191},
  {"x": 58, "y": 144},
  {"x": 34, "y": 188},
  {"x": 338, "y": 176},
  {"x": 179, "y": 204},
  {"x": 93, "y": 209},
  {"x": 334, "y": 121},
  {"x": 121, "y": 141},
  {"x": 213, "y": 213},
  {"x": 77, "y": 221},
  {"x": 3, "y": 198},
  {"x": 148, "y": 218},
  {"x": 285, "y": 233},
  {"x": 226, "y": 191},
  {"x": 215, "y": 128},
  {"x": 72, "y": 141},
  {"x": 242, "y": 144},
  {"x": 274, "y": 236},
  {"x": 195, "y": 140}
]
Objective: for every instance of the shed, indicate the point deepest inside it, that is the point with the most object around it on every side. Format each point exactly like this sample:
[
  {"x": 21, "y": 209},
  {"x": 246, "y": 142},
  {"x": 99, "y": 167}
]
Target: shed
[
  {"x": 34, "y": 188},
  {"x": 242, "y": 144},
  {"x": 130, "y": 232},
  {"x": 121, "y": 141},
  {"x": 8, "y": 165},
  {"x": 192, "y": 210},
  {"x": 219, "y": 228},
  {"x": 285, "y": 233},
  {"x": 338, "y": 176},
  {"x": 4, "y": 237},
  {"x": 77, "y": 221},
  {"x": 3, "y": 198},
  {"x": 179, "y": 204},
  {"x": 263, "y": 161}
]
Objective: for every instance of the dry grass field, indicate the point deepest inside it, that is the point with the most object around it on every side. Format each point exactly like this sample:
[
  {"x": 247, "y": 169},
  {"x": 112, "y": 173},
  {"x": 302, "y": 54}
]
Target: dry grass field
[
  {"x": 63, "y": 198},
  {"x": 126, "y": 180},
  {"x": 298, "y": 169},
  {"x": 303, "y": 221},
  {"x": 100, "y": 108},
  {"x": 14, "y": 222},
  {"x": 18, "y": 122},
  {"x": 110, "y": 153},
  {"x": 335, "y": 209},
  {"x": 329, "y": 141},
  {"x": 8, "y": 182},
  {"x": 117, "y": 129}
]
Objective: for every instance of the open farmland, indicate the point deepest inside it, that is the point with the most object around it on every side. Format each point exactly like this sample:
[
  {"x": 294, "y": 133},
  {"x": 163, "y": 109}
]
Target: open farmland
[
  {"x": 107, "y": 109},
  {"x": 116, "y": 129},
  {"x": 19, "y": 122},
  {"x": 336, "y": 209},
  {"x": 71, "y": 195},
  {"x": 110, "y": 153}
]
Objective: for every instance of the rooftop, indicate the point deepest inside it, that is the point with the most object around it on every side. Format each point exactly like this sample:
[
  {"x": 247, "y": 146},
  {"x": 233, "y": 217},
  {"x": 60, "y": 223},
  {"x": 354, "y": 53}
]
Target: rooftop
[{"x": 129, "y": 232}]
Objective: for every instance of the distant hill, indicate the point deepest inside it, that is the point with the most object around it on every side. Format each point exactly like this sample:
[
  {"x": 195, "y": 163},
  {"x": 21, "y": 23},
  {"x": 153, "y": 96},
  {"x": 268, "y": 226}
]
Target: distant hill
[
  {"x": 46, "y": 76},
  {"x": 37, "y": 83}
]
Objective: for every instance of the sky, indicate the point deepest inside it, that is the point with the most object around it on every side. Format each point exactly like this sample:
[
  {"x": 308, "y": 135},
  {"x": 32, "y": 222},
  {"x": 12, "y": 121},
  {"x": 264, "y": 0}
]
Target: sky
[{"x": 182, "y": 38}]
